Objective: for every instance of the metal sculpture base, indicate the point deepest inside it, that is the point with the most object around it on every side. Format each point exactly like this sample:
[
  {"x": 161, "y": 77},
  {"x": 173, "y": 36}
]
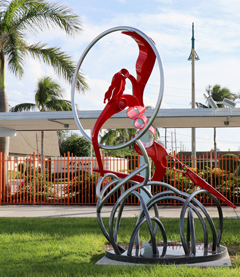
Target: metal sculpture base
[{"x": 174, "y": 254}]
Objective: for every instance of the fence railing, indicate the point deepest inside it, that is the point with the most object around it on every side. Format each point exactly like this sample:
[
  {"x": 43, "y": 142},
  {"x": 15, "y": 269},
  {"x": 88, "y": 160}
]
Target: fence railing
[{"x": 71, "y": 180}]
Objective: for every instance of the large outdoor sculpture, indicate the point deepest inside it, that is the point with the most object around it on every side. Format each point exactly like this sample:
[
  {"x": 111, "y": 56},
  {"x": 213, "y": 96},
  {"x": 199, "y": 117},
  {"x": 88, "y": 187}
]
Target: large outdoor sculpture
[{"x": 187, "y": 250}]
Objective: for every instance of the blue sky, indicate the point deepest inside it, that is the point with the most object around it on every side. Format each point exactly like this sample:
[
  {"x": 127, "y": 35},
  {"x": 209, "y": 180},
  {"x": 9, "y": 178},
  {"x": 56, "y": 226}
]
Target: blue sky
[{"x": 168, "y": 23}]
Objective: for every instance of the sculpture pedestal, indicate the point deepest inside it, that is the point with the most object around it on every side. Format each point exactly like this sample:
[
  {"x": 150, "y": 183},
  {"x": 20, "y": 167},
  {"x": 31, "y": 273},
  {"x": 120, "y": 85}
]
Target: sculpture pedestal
[{"x": 174, "y": 255}]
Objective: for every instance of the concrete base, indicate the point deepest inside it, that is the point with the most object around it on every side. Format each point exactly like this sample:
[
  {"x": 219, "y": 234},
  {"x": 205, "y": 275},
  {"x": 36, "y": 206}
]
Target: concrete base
[{"x": 225, "y": 261}]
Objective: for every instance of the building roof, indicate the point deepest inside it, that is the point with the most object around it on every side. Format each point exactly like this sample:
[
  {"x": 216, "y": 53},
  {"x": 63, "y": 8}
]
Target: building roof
[
  {"x": 166, "y": 118},
  {"x": 27, "y": 142}
]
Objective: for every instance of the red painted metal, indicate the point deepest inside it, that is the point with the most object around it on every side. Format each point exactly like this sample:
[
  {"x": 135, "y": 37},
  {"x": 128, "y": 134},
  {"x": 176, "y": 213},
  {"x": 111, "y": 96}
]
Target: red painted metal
[
  {"x": 144, "y": 64},
  {"x": 158, "y": 154},
  {"x": 117, "y": 101},
  {"x": 114, "y": 95},
  {"x": 202, "y": 183},
  {"x": 197, "y": 180}
]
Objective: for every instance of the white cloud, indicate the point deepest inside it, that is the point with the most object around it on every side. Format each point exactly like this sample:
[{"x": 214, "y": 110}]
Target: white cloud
[
  {"x": 17, "y": 92},
  {"x": 168, "y": 23}
]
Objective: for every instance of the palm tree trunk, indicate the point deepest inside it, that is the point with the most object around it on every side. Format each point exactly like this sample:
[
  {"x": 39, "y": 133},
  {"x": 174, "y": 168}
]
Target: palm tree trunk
[
  {"x": 4, "y": 141},
  {"x": 4, "y": 107},
  {"x": 42, "y": 144},
  {"x": 42, "y": 150}
]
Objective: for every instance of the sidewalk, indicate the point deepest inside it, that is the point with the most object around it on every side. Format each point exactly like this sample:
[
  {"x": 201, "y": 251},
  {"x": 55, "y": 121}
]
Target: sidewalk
[{"x": 56, "y": 211}]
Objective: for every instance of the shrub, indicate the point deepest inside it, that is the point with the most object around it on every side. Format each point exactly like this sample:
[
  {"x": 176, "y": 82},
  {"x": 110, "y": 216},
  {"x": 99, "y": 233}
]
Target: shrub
[
  {"x": 229, "y": 162},
  {"x": 22, "y": 168},
  {"x": 83, "y": 187}
]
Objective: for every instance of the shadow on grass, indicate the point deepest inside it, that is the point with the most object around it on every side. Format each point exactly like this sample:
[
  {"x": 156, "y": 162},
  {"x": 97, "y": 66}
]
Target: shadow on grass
[
  {"x": 61, "y": 226},
  {"x": 95, "y": 258}
]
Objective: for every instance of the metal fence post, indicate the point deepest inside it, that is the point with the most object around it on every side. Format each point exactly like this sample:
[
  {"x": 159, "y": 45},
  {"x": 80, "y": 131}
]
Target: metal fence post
[
  {"x": 68, "y": 172},
  {"x": 34, "y": 178},
  {"x": 1, "y": 179}
]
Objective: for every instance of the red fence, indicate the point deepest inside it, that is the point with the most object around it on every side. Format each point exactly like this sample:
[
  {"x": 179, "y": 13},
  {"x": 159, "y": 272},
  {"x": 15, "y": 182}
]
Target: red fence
[{"x": 71, "y": 180}]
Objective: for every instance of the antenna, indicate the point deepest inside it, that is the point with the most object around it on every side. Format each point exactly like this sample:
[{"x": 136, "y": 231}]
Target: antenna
[
  {"x": 193, "y": 46},
  {"x": 193, "y": 57}
]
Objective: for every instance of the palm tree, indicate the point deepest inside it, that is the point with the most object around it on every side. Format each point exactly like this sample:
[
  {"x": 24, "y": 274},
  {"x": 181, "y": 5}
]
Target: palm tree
[
  {"x": 18, "y": 19},
  {"x": 119, "y": 136},
  {"x": 115, "y": 137},
  {"x": 218, "y": 94},
  {"x": 48, "y": 97}
]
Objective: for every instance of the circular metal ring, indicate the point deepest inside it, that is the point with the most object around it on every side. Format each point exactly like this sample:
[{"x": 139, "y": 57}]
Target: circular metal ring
[{"x": 159, "y": 100}]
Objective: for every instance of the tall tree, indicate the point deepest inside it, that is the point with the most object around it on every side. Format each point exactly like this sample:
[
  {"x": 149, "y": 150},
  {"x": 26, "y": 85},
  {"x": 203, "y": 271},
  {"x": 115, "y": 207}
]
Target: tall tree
[
  {"x": 119, "y": 136},
  {"x": 218, "y": 94},
  {"x": 48, "y": 97},
  {"x": 18, "y": 19},
  {"x": 76, "y": 145}
]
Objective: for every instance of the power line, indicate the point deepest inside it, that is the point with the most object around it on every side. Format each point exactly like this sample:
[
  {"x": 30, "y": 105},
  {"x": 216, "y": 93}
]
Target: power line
[
  {"x": 182, "y": 88},
  {"x": 227, "y": 141}
]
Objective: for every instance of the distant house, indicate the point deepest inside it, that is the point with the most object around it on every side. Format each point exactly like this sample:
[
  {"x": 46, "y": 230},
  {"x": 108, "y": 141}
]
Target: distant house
[{"x": 27, "y": 142}]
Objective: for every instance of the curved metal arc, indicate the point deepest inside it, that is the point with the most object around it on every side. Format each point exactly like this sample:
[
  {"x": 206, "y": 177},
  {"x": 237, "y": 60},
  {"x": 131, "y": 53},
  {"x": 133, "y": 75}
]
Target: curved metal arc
[
  {"x": 105, "y": 233},
  {"x": 148, "y": 193},
  {"x": 130, "y": 176},
  {"x": 155, "y": 206},
  {"x": 204, "y": 226},
  {"x": 181, "y": 221},
  {"x": 125, "y": 180},
  {"x": 165, "y": 185},
  {"x": 119, "y": 216},
  {"x": 191, "y": 232},
  {"x": 140, "y": 198},
  {"x": 161, "y": 89},
  {"x": 121, "y": 209},
  {"x": 136, "y": 231},
  {"x": 100, "y": 181},
  {"x": 107, "y": 186},
  {"x": 150, "y": 227}
]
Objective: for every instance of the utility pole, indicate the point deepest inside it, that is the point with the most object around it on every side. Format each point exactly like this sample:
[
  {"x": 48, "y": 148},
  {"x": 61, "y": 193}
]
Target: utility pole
[
  {"x": 175, "y": 140},
  {"x": 193, "y": 56},
  {"x": 166, "y": 138}
]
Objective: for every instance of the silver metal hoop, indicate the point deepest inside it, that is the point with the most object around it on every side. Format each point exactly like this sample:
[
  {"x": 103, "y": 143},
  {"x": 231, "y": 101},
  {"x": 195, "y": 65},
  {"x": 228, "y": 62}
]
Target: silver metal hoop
[{"x": 161, "y": 89}]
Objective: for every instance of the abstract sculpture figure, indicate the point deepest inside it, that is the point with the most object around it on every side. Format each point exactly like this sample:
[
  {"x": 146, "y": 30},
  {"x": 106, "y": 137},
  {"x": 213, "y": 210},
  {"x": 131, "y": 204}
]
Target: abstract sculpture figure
[{"x": 188, "y": 250}]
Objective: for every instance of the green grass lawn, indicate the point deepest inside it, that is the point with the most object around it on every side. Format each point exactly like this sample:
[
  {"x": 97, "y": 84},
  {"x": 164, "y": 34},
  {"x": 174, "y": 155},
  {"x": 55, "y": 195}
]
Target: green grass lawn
[{"x": 72, "y": 246}]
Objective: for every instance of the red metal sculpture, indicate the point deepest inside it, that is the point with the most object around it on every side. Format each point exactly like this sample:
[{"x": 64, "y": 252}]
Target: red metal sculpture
[
  {"x": 118, "y": 101},
  {"x": 162, "y": 251}
]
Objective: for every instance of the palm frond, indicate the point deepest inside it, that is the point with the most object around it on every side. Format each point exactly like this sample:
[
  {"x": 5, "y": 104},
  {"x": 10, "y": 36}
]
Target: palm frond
[
  {"x": 117, "y": 136},
  {"x": 59, "y": 60},
  {"x": 108, "y": 137},
  {"x": 15, "y": 51},
  {"x": 36, "y": 15},
  {"x": 23, "y": 107},
  {"x": 58, "y": 105},
  {"x": 47, "y": 98},
  {"x": 46, "y": 90}
]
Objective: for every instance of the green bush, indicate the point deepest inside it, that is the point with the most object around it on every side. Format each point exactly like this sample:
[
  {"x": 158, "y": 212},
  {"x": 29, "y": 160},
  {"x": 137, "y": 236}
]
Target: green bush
[
  {"x": 229, "y": 162},
  {"x": 22, "y": 168},
  {"x": 83, "y": 188},
  {"x": 132, "y": 162}
]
